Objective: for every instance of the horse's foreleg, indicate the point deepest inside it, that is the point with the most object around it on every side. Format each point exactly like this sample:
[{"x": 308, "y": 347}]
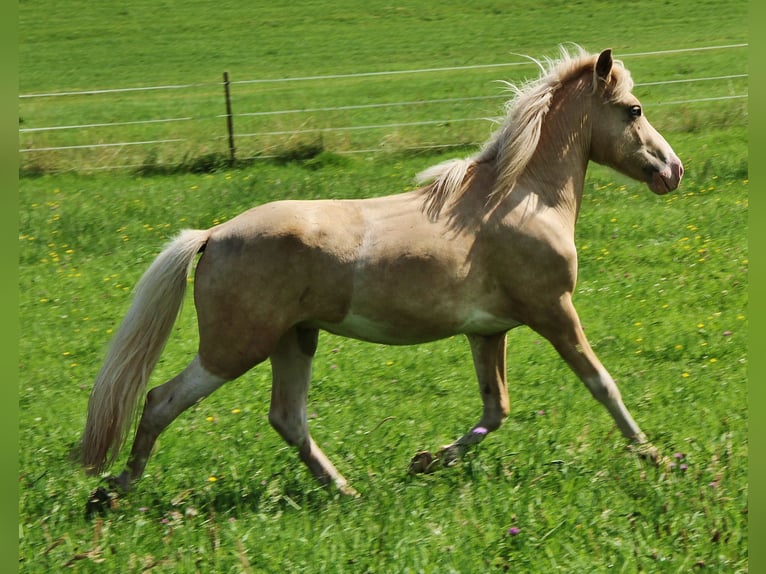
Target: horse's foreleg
[
  {"x": 567, "y": 336},
  {"x": 163, "y": 404},
  {"x": 291, "y": 375},
  {"x": 489, "y": 361}
]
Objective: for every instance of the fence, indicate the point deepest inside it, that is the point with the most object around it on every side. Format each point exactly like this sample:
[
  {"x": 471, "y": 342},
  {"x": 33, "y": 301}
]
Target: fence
[{"x": 365, "y": 112}]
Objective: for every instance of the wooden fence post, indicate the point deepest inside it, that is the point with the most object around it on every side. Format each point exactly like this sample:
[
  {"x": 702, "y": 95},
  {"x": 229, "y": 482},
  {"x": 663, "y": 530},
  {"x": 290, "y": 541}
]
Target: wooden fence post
[{"x": 229, "y": 119}]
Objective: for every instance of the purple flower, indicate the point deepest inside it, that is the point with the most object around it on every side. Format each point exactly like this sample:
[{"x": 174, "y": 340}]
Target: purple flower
[
  {"x": 541, "y": 412},
  {"x": 683, "y": 467},
  {"x": 679, "y": 456},
  {"x": 480, "y": 430},
  {"x": 513, "y": 531}
]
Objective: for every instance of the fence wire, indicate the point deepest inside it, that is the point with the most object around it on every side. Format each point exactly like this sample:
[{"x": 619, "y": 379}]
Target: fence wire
[{"x": 300, "y": 129}]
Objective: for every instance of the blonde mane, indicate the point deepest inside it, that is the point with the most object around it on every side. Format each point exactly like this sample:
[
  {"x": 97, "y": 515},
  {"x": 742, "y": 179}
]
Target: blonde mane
[{"x": 513, "y": 144}]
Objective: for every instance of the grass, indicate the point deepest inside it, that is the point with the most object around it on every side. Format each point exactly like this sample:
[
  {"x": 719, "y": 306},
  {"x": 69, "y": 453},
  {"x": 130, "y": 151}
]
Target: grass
[
  {"x": 662, "y": 293},
  {"x": 112, "y": 48},
  {"x": 144, "y": 47}
]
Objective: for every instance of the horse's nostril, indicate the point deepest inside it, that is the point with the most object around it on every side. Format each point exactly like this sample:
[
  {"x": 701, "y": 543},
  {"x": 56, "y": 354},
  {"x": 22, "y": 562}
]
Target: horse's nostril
[{"x": 677, "y": 167}]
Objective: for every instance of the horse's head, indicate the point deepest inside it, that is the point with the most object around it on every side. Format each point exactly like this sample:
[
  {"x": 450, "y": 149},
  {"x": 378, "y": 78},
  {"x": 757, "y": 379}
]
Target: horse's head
[{"x": 622, "y": 137}]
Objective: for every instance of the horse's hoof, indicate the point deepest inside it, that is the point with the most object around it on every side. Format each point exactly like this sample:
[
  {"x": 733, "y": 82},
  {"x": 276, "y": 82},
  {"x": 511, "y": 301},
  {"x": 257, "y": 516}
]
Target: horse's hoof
[
  {"x": 99, "y": 501},
  {"x": 349, "y": 491},
  {"x": 449, "y": 456},
  {"x": 423, "y": 463},
  {"x": 117, "y": 483},
  {"x": 649, "y": 452}
]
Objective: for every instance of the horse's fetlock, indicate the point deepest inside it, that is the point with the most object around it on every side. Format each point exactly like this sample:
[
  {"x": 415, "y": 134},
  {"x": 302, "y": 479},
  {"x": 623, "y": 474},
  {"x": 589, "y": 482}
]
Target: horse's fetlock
[{"x": 494, "y": 424}]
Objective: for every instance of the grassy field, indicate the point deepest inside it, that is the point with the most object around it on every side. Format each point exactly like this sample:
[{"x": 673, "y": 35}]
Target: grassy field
[
  {"x": 662, "y": 294},
  {"x": 134, "y": 47}
]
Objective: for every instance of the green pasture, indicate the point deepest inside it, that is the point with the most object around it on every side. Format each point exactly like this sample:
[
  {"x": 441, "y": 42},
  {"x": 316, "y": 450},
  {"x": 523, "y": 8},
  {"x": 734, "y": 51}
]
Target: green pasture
[
  {"x": 137, "y": 46},
  {"x": 662, "y": 294}
]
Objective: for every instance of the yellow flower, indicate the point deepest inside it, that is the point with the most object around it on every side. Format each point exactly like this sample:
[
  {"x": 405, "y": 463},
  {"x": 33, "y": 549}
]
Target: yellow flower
[{"x": 212, "y": 479}]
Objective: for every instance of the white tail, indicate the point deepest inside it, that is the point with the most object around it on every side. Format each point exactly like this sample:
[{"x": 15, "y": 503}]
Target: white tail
[{"x": 135, "y": 350}]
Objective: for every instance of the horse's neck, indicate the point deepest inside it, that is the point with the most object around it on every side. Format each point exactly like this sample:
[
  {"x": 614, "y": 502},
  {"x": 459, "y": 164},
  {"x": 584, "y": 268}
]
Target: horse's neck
[{"x": 556, "y": 172}]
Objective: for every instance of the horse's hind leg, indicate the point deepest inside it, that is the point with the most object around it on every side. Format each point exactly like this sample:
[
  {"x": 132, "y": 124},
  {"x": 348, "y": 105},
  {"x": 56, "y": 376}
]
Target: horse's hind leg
[
  {"x": 489, "y": 362},
  {"x": 163, "y": 404},
  {"x": 291, "y": 375}
]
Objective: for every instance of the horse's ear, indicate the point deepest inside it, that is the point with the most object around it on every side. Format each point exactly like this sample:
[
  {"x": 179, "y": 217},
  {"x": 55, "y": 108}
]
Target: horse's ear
[{"x": 604, "y": 65}]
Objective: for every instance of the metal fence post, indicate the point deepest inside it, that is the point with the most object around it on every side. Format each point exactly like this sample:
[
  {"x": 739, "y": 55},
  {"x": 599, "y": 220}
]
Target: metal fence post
[{"x": 229, "y": 119}]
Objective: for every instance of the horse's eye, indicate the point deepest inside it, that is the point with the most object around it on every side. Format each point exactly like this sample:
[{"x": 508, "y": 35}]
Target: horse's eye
[{"x": 635, "y": 111}]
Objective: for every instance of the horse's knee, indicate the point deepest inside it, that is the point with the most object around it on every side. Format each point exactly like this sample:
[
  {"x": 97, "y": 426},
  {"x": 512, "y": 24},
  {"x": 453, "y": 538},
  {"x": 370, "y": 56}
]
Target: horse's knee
[
  {"x": 603, "y": 389},
  {"x": 289, "y": 427}
]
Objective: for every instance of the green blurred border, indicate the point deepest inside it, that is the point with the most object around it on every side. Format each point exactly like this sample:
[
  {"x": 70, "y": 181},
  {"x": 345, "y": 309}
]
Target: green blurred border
[
  {"x": 9, "y": 508},
  {"x": 757, "y": 285}
]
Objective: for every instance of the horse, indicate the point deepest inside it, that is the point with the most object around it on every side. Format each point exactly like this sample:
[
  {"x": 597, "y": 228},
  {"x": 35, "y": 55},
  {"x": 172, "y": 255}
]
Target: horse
[{"x": 482, "y": 245}]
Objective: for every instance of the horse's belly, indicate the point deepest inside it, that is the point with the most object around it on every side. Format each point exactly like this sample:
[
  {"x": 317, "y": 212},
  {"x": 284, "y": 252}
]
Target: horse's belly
[
  {"x": 384, "y": 332},
  {"x": 480, "y": 322},
  {"x": 400, "y": 330}
]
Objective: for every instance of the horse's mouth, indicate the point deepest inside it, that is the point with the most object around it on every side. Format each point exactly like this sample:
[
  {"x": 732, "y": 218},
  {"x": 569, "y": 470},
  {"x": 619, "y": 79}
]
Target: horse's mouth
[
  {"x": 660, "y": 184},
  {"x": 666, "y": 179}
]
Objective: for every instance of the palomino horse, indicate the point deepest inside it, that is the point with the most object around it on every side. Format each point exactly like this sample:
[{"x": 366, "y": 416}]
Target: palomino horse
[{"x": 487, "y": 244}]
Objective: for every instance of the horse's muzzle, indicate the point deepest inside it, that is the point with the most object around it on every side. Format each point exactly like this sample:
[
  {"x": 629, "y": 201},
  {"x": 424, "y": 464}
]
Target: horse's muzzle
[{"x": 668, "y": 177}]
